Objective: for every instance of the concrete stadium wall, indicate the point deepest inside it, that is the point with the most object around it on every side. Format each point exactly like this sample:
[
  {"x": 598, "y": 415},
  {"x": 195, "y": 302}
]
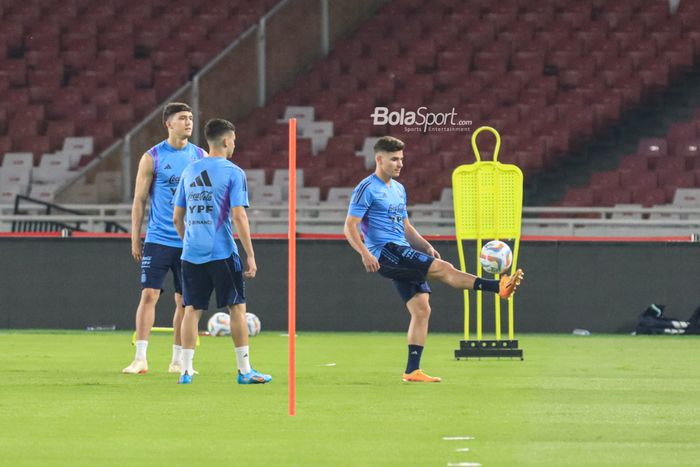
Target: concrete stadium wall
[{"x": 71, "y": 283}]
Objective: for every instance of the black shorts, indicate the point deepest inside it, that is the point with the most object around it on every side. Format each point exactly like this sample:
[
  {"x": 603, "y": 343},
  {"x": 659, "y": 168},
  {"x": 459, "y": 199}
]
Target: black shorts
[
  {"x": 408, "y": 268},
  {"x": 156, "y": 261},
  {"x": 223, "y": 275}
]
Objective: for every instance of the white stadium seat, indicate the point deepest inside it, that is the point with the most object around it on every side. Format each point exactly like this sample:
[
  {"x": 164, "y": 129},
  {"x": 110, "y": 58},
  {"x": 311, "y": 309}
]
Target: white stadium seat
[
  {"x": 281, "y": 179},
  {"x": 15, "y": 177},
  {"x": 687, "y": 197},
  {"x": 367, "y": 151},
  {"x": 18, "y": 160},
  {"x": 320, "y": 133},
  {"x": 627, "y": 215},
  {"x": 266, "y": 194},
  {"x": 339, "y": 195},
  {"x": 303, "y": 114},
  {"x": 43, "y": 192},
  {"x": 255, "y": 177},
  {"x": 53, "y": 168},
  {"x": 8, "y": 193},
  {"x": 82, "y": 145}
]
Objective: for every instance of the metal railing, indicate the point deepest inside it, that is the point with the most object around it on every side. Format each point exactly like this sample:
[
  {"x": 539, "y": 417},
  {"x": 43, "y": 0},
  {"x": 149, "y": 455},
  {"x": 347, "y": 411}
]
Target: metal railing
[
  {"x": 431, "y": 219},
  {"x": 40, "y": 216}
]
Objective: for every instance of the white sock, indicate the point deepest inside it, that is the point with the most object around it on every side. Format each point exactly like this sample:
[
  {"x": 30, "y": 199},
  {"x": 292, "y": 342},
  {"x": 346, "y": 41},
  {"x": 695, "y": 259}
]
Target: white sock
[
  {"x": 177, "y": 354},
  {"x": 141, "y": 347},
  {"x": 243, "y": 359},
  {"x": 187, "y": 357}
]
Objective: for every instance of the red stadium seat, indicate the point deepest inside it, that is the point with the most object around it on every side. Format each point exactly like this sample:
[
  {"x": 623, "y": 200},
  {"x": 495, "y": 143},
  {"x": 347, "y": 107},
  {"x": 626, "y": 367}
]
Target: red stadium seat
[
  {"x": 682, "y": 131},
  {"x": 614, "y": 196},
  {"x": 671, "y": 179},
  {"x": 649, "y": 197},
  {"x": 101, "y": 131},
  {"x": 57, "y": 131},
  {"x": 634, "y": 179},
  {"x": 575, "y": 197},
  {"x": 37, "y": 145},
  {"x": 687, "y": 148},
  {"x": 674, "y": 164},
  {"x": 652, "y": 147}
]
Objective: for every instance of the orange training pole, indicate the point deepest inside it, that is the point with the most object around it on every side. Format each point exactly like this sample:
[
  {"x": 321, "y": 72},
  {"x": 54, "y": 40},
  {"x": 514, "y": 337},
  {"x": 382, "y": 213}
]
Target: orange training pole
[{"x": 292, "y": 279}]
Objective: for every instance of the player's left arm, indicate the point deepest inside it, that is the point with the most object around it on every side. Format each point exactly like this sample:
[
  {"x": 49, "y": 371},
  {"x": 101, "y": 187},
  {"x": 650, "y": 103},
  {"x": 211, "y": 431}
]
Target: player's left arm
[
  {"x": 417, "y": 241},
  {"x": 179, "y": 221},
  {"x": 180, "y": 208},
  {"x": 240, "y": 219}
]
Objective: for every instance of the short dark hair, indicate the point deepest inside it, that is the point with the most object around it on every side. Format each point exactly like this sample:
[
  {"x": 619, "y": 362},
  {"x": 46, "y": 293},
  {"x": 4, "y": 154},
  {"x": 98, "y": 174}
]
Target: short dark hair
[
  {"x": 388, "y": 144},
  {"x": 172, "y": 108},
  {"x": 216, "y": 128}
]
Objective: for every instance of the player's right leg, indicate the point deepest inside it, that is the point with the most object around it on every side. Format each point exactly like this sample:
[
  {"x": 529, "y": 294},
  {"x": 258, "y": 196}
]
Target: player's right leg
[
  {"x": 190, "y": 324},
  {"x": 155, "y": 264},
  {"x": 445, "y": 272},
  {"x": 419, "y": 308},
  {"x": 145, "y": 316},
  {"x": 197, "y": 286}
]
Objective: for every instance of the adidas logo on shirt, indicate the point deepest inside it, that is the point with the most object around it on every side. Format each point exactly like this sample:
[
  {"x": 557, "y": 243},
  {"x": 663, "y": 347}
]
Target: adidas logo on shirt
[
  {"x": 201, "y": 180},
  {"x": 167, "y": 167}
]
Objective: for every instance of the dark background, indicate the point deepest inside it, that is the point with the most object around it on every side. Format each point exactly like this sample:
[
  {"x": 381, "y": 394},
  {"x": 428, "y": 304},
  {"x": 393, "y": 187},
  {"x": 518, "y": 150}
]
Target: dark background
[{"x": 602, "y": 287}]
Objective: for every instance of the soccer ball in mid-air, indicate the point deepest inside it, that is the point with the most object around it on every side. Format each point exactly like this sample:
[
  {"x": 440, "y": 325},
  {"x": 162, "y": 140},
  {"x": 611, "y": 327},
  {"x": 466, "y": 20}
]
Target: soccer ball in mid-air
[
  {"x": 496, "y": 257},
  {"x": 219, "y": 324},
  {"x": 253, "y": 324}
]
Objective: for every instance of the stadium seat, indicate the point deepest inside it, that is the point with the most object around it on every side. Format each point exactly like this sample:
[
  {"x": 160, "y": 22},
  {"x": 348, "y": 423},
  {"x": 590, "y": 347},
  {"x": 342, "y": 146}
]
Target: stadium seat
[
  {"x": 82, "y": 145},
  {"x": 8, "y": 193},
  {"x": 614, "y": 196},
  {"x": 255, "y": 177},
  {"x": 687, "y": 197},
  {"x": 15, "y": 177},
  {"x": 43, "y": 192},
  {"x": 49, "y": 175}
]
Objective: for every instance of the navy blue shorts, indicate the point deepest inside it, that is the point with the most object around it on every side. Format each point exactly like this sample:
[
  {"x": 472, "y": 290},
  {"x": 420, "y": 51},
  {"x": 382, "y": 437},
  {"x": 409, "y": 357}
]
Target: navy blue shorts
[
  {"x": 408, "y": 268},
  {"x": 223, "y": 275},
  {"x": 156, "y": 261}
]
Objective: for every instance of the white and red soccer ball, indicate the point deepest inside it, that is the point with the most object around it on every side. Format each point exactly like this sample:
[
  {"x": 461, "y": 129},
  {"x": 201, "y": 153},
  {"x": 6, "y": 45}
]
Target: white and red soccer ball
[{"x": 496, "y": 257}]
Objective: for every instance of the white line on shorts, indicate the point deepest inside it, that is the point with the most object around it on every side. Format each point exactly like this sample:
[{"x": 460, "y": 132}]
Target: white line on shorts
[{"x": 327, "y": 364}]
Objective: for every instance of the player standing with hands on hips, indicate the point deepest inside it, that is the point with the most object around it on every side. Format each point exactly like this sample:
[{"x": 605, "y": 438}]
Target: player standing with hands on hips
[
  {"x": 158, "y": 175},
  {"x": 211, "y": 192},
  {"x": 395, "y": 249}
]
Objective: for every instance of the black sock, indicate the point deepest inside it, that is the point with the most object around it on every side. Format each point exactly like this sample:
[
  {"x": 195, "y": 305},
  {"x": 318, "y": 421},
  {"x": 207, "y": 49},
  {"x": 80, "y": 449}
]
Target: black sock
[
  {"x": 414, "y": 353},
  {"x": 489, "y": 285}
]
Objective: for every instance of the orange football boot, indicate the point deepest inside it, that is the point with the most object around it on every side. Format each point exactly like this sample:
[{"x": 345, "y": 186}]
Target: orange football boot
[{"x": 417, "y": 376}]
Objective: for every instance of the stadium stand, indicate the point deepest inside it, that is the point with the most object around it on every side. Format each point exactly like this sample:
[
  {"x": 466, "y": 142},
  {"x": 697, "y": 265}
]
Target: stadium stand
[
  {"x": 550, "y": 75},
  {"x": 68, "y": 70}
]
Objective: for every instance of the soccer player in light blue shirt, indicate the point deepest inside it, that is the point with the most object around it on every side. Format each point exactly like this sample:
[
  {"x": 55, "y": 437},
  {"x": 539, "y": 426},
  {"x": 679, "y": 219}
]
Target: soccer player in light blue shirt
[
  {"x": 211, "y": 192},
  {"x": 157, "y": 177},
  {"x": 395, "y": 249}
]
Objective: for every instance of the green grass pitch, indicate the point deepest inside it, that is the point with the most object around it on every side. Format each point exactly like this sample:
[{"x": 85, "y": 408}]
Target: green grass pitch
[{"x": 588, "y": 401}]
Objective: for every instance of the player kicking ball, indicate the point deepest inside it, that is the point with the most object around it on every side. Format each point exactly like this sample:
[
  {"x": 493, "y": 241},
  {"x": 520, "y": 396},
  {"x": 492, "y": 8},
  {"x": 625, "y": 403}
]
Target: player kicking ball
[
  {"x": 211, "y": 192},
  {"x": 395, "y": 249}
]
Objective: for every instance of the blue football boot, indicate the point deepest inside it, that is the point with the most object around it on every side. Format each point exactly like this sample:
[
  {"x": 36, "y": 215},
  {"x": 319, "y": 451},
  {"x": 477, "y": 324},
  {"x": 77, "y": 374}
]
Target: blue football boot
[
  {"x": 185, "y": 378},
  {"x": 254, "y": 377}
]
